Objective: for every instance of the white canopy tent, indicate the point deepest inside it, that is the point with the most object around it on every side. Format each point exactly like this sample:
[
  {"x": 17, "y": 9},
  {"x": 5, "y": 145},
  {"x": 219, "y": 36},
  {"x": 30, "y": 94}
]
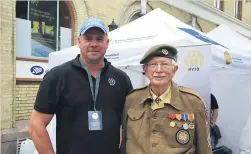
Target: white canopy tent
[
  {"x": 158, "y": 25},
  {"x": 230, "y": 38},
  {"x": 230, "y": 83}
]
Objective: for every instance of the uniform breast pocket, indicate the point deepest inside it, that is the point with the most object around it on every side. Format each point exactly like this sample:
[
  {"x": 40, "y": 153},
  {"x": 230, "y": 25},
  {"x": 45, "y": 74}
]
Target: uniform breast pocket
[{"x": 134, "y": 123}]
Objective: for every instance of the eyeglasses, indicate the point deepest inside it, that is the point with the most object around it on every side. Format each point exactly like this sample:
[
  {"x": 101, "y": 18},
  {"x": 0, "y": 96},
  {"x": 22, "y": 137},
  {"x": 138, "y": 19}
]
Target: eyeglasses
[{"x": 161, "y": 65}]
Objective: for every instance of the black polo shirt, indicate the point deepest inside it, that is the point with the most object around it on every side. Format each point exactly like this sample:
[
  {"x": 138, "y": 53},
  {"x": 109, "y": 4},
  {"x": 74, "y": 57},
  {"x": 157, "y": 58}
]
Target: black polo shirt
[{"x": 65, "y": 91}]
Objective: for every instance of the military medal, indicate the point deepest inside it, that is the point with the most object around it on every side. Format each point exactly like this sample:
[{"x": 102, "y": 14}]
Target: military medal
[
  {"x": 191, "y": 125},
  {"x": 172, "y": 116},
  {"x": 184, "y": 117},
  {"x": 190, "y": 117},
  {"x": 178, "y": 116},
  {"x": 182, "y": 136},
  {"x": 172, "y": 124},
  {"x": 179, "y": 124},
  {"x": 185, "y": 126}
]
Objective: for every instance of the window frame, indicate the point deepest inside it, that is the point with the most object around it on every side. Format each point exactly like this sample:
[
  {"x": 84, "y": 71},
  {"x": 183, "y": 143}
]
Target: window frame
[
  {"x": 238, "y": 4},
  {"x": 72, "y": 20},
  {"x": 219, "y": 4}
]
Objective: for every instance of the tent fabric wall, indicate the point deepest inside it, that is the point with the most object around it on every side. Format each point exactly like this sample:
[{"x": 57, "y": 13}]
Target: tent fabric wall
[
  {"x": 232, "y": 90},
  {"x": 244, "y": 143}
]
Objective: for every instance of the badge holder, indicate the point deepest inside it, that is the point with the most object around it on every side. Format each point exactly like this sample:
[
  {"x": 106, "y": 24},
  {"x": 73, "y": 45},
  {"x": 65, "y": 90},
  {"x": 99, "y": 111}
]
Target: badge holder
[
  {"x": 94, "y": 117},
  {"x": 95, "y": 120}
]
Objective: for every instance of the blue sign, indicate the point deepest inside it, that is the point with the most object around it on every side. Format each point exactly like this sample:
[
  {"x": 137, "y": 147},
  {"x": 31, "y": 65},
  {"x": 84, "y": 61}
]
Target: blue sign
[
  {"x": 200, "y": 37},
  {"x": 37, "y": 70}
]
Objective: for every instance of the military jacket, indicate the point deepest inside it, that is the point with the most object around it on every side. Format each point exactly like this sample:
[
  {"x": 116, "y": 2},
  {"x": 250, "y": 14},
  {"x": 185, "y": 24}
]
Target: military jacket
[{"x": 180, "y": 127}]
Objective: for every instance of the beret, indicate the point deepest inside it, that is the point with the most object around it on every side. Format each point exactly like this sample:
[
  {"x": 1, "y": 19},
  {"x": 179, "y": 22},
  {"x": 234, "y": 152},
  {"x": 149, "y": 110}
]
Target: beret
[{"x": 162, "y": 50}]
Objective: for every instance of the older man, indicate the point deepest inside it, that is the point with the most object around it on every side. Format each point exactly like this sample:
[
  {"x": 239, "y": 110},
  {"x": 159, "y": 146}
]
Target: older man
[{"x": 163, "y": 118}]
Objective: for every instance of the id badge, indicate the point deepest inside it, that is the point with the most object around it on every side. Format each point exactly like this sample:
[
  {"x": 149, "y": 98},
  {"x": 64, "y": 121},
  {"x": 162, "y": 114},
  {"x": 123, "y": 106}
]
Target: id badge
[{"x": 95, "y": 120}]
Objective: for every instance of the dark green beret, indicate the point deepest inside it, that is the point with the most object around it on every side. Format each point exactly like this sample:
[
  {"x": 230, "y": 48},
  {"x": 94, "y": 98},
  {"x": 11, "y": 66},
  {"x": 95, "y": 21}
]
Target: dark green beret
[{"x": 161, "y": 50}]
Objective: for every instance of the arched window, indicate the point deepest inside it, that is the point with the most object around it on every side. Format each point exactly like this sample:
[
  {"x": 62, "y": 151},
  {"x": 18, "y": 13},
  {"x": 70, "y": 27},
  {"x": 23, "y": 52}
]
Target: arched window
[
  {"x": 135, "y": 16},
  {"x": 42, "y": 27},
  {"x": 64, "y": 15}
]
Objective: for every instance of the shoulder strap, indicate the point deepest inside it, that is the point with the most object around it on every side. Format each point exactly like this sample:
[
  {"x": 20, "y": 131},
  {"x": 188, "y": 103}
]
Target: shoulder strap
[
  {"x": 190, "y": 91},
  {"x": 137, "y": 89}
]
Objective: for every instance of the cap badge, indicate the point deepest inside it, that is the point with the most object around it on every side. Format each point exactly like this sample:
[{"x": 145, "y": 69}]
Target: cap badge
[{"x": 164, "y": 51}]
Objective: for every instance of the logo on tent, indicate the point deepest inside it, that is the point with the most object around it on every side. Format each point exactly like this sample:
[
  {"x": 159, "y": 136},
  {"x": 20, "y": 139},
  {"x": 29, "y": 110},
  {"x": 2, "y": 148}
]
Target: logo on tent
[
  {"x": 227, "y": 57},
  {"x": 194, "y": 60},
  {"x": 200, "y": 36}
]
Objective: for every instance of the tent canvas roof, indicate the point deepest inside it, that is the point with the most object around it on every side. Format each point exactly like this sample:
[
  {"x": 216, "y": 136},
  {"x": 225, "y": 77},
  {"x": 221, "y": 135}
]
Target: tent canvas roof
[
  {"x": 157, "y": 26},
  {"x": 230, "y": 38}
]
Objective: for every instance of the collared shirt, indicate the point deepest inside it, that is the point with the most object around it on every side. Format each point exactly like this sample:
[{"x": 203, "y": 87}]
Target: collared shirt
[
  {"x": 165, "y": 98},
  {"x": 65, "y": 91}
]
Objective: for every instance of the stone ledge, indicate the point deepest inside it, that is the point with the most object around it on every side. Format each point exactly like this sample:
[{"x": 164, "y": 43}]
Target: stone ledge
[{"x": 21, "y": 131}]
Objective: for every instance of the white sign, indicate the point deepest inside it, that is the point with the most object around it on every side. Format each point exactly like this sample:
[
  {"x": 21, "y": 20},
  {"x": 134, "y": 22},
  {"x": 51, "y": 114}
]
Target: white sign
[
  {"x": 194, "y": 70},
  {"x": 28, "y": 69}
]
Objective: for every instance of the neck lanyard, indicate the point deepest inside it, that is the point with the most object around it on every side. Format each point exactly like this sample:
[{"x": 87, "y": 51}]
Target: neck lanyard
[{"x": 94, "y": 94}]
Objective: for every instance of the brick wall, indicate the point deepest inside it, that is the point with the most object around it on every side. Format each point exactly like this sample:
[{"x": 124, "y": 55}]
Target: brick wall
[
  {"x": 229, "y": 7},
  {"x": 246, "y": 16},
  {"x": 7, "y": 63},
  {"x": 177, "y": 13},
  {"x": 209, "y": 2},
  {"x": 80, "y": 14},
  {"x": 25, "y": 98},
  {"x": 206, "y": 26}
]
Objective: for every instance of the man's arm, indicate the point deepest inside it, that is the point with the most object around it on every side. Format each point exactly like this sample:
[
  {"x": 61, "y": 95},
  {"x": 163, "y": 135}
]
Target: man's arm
[
  {"x": 38, "y": 132},
  {"x": 123, "y": 140},
  {"x": 214, "y": 109},
  {"x": 214, "y": 116},
  {"x": 48, "y": 97},
  {"x": 203, "y": 142}
]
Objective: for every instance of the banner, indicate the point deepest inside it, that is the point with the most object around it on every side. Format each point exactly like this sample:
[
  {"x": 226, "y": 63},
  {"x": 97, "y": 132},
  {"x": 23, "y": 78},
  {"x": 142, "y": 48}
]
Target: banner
[
  {"x": 43, "y": 27},
  {"x": 194, "y": 70}
]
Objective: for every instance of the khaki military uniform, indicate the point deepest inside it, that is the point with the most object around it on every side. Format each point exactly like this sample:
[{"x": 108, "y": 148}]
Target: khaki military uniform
[{"x": 151, "y": 130}]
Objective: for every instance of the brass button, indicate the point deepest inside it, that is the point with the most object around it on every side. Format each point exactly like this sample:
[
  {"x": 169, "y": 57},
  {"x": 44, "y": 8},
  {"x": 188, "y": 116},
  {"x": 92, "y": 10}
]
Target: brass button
[{"x": 154, "y": 145}]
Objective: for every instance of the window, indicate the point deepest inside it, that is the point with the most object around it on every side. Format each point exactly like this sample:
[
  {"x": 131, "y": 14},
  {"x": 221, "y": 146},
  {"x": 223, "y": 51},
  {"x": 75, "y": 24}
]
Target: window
[
  {"x": 219, "y": 4},
  {"x": 42, "y": 27},
  {"x": 238, "y": 9},
  {"x": 135, "y": 16},
  {"x": 22, "y": 9}
]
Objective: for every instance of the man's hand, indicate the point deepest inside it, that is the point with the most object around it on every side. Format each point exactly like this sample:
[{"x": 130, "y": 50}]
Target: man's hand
[
  {"x": 214, "y": 117},
  {"x": 212, "y": 123}
]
